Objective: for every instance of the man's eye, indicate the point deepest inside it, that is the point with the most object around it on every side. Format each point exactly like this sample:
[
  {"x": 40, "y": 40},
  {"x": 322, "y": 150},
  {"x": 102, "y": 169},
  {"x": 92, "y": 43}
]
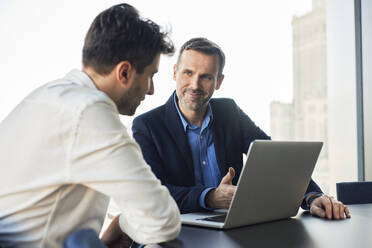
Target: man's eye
[{"x": 207, "y": 77}]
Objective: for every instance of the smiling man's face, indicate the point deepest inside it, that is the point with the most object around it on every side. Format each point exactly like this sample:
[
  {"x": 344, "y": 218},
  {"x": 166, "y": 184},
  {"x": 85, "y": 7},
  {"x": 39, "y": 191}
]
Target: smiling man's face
[{"x": 196, "y": 76}]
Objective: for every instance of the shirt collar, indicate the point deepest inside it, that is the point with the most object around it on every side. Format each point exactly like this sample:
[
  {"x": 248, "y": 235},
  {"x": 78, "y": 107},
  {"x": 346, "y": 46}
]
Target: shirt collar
[
  {"x": 207, "y": 119},
  {"x": 80, "y": 77},
  {"x": 76, "y": 75}
]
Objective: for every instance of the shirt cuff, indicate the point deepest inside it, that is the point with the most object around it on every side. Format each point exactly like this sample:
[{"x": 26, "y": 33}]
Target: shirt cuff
[
  {"x": 304, "y": 205},
  {"x": 202, "y": 198}
]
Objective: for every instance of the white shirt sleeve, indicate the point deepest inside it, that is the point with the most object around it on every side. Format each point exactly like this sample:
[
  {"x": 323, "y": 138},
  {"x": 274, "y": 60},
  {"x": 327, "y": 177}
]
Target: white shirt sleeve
[{"x": 104, "y": 157}]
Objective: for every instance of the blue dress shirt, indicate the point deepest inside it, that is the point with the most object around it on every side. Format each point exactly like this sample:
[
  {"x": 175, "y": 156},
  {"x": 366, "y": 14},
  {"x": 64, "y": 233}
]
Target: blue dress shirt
[{"x": 200, "y": 139}]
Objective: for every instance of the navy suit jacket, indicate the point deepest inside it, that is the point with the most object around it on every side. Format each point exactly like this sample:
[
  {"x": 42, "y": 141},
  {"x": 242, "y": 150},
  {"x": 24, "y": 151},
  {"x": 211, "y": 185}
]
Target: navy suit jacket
[{"x": 165, "y": 147}]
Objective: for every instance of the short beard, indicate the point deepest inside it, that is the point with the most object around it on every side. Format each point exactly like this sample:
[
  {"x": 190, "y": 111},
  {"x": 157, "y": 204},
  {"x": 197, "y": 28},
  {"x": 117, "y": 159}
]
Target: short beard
[
  {"x": 127, "y": 104},
  {"x": 194, "y": 106}
]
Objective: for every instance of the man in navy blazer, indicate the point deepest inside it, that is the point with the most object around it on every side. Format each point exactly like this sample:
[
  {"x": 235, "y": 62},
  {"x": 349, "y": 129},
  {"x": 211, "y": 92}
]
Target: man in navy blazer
[{"x": 195, "y": 144}]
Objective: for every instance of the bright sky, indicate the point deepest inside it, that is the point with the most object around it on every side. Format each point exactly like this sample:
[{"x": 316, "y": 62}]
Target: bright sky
[{"x": 41, "y": 40}]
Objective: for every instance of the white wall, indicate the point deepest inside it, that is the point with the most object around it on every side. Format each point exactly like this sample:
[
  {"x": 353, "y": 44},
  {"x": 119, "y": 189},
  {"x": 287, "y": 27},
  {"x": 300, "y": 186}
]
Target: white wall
[{"x": 342, "y": 126}]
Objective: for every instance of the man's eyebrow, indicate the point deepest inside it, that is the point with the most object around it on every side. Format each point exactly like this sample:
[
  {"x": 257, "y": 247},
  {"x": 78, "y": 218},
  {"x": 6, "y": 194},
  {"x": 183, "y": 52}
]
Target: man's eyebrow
[{"x": 207, "y": 74}]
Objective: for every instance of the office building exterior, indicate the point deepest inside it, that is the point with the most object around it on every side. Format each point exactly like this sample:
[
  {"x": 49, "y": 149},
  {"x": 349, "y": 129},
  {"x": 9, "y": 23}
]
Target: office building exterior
[{"x": 306, "y": 117}]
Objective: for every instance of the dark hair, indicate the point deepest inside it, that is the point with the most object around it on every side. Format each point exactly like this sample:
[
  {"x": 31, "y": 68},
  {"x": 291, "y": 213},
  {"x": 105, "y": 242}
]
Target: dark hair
[
  {"x": 205, "y": 46},
  {"x": 120, "y": 34}
]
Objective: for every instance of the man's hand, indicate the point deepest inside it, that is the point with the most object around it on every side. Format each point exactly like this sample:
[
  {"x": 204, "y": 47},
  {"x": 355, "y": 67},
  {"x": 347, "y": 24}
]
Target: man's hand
[
  {"x": 114, "y": 237},
  {"x": 221, "y": 196},
  {"x": 330, "y": 208}
]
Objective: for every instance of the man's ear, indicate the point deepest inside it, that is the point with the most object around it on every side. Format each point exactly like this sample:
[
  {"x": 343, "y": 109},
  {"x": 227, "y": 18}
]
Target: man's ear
[
  {"x": 123, "y": 72},
  {"x": 219, "y": 81},
  {"x": 175, "y": 72}
]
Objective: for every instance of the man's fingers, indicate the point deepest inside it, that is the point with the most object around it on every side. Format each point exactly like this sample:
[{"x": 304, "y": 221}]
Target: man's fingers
[
  {"x": 227, "y": 179},
  {"x": 341, "y": 211},
  {"x": 347, "y": 212},
  {"x": 322, "y": 207},
  {"x": 340, "y": 208},
  {"x": 326, "y": 202},
  {"x": 317, "y": 211},
  {"x": 232, "y": 172},
  {"x": 336, "y": 208},
  {"x": 330, "y": 208},
  {"x": 222, "y": 195}
]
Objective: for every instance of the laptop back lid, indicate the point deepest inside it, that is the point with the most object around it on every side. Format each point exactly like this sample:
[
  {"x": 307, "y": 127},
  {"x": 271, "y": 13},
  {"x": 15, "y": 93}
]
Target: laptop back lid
[{"x": 273, "y": 181}]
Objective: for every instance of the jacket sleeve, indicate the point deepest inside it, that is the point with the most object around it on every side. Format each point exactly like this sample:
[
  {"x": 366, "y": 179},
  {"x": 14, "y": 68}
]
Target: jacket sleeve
[
  {"x": 186, "y": 197},
  {"x": 312, "y": 188}
]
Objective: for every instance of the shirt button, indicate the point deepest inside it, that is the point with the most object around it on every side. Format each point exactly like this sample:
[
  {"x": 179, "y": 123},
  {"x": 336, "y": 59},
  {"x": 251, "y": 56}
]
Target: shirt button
[
  {"x": 201, "y": 136},
  {"x": 204, "y": 162}
]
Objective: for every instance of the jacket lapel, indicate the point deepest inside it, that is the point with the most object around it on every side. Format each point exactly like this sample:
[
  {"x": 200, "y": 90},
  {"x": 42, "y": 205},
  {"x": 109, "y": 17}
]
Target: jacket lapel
[
  {"x": 219, "y": 139},
  {"x": 175, "y": 127}
]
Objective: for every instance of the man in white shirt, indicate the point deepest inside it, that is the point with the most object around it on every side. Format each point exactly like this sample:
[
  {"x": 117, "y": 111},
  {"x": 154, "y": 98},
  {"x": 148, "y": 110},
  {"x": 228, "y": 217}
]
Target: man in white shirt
[{"x": 64, "y": 151}]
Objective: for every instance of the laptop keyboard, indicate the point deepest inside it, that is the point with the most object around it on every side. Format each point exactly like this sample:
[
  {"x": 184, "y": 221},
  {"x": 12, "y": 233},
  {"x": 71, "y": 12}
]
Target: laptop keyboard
[{"x": 217, "y": 218}]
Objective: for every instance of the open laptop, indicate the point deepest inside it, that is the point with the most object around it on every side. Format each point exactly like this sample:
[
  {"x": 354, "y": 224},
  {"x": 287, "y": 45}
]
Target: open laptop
[{"x": 271, "y": 186}]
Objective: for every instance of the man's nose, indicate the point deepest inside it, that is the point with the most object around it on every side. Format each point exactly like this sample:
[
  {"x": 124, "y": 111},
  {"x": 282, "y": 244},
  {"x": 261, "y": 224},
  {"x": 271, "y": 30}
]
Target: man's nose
[
  {"x": 194, "y": 82},
  {"x": 151, "y": 88}
]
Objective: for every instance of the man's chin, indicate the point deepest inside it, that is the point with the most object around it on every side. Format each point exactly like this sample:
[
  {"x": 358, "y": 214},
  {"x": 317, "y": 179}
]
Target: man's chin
[
  {"x": 194, "y": 106},
  {"x": 129, "y": 112},
  {"x": 126, "y": 107}
]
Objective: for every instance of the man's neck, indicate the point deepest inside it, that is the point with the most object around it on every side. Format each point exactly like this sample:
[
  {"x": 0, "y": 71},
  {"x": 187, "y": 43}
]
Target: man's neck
[
  {"x": 95, "y": 77},
  {"x": 195, "y": 117},
  {"x": 103, "y": 83}
]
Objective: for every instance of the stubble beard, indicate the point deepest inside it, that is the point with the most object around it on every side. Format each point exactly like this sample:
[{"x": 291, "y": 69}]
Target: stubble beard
[
  {"x": 194, "y": 105},
  {"x": 129, "y": 102}
]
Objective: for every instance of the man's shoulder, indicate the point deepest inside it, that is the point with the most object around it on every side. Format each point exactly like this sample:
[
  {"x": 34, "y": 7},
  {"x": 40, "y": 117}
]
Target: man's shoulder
[
  {"x": 223, "y": 104},
  {"x": 70, "y": 94},
  {"x": 153, "y": 114},
  {"x": 222, "y": 100}
]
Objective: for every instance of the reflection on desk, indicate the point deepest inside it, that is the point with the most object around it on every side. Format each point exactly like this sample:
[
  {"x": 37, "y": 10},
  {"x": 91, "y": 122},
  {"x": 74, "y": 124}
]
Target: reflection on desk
[{"x": 303, "y": 230}]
